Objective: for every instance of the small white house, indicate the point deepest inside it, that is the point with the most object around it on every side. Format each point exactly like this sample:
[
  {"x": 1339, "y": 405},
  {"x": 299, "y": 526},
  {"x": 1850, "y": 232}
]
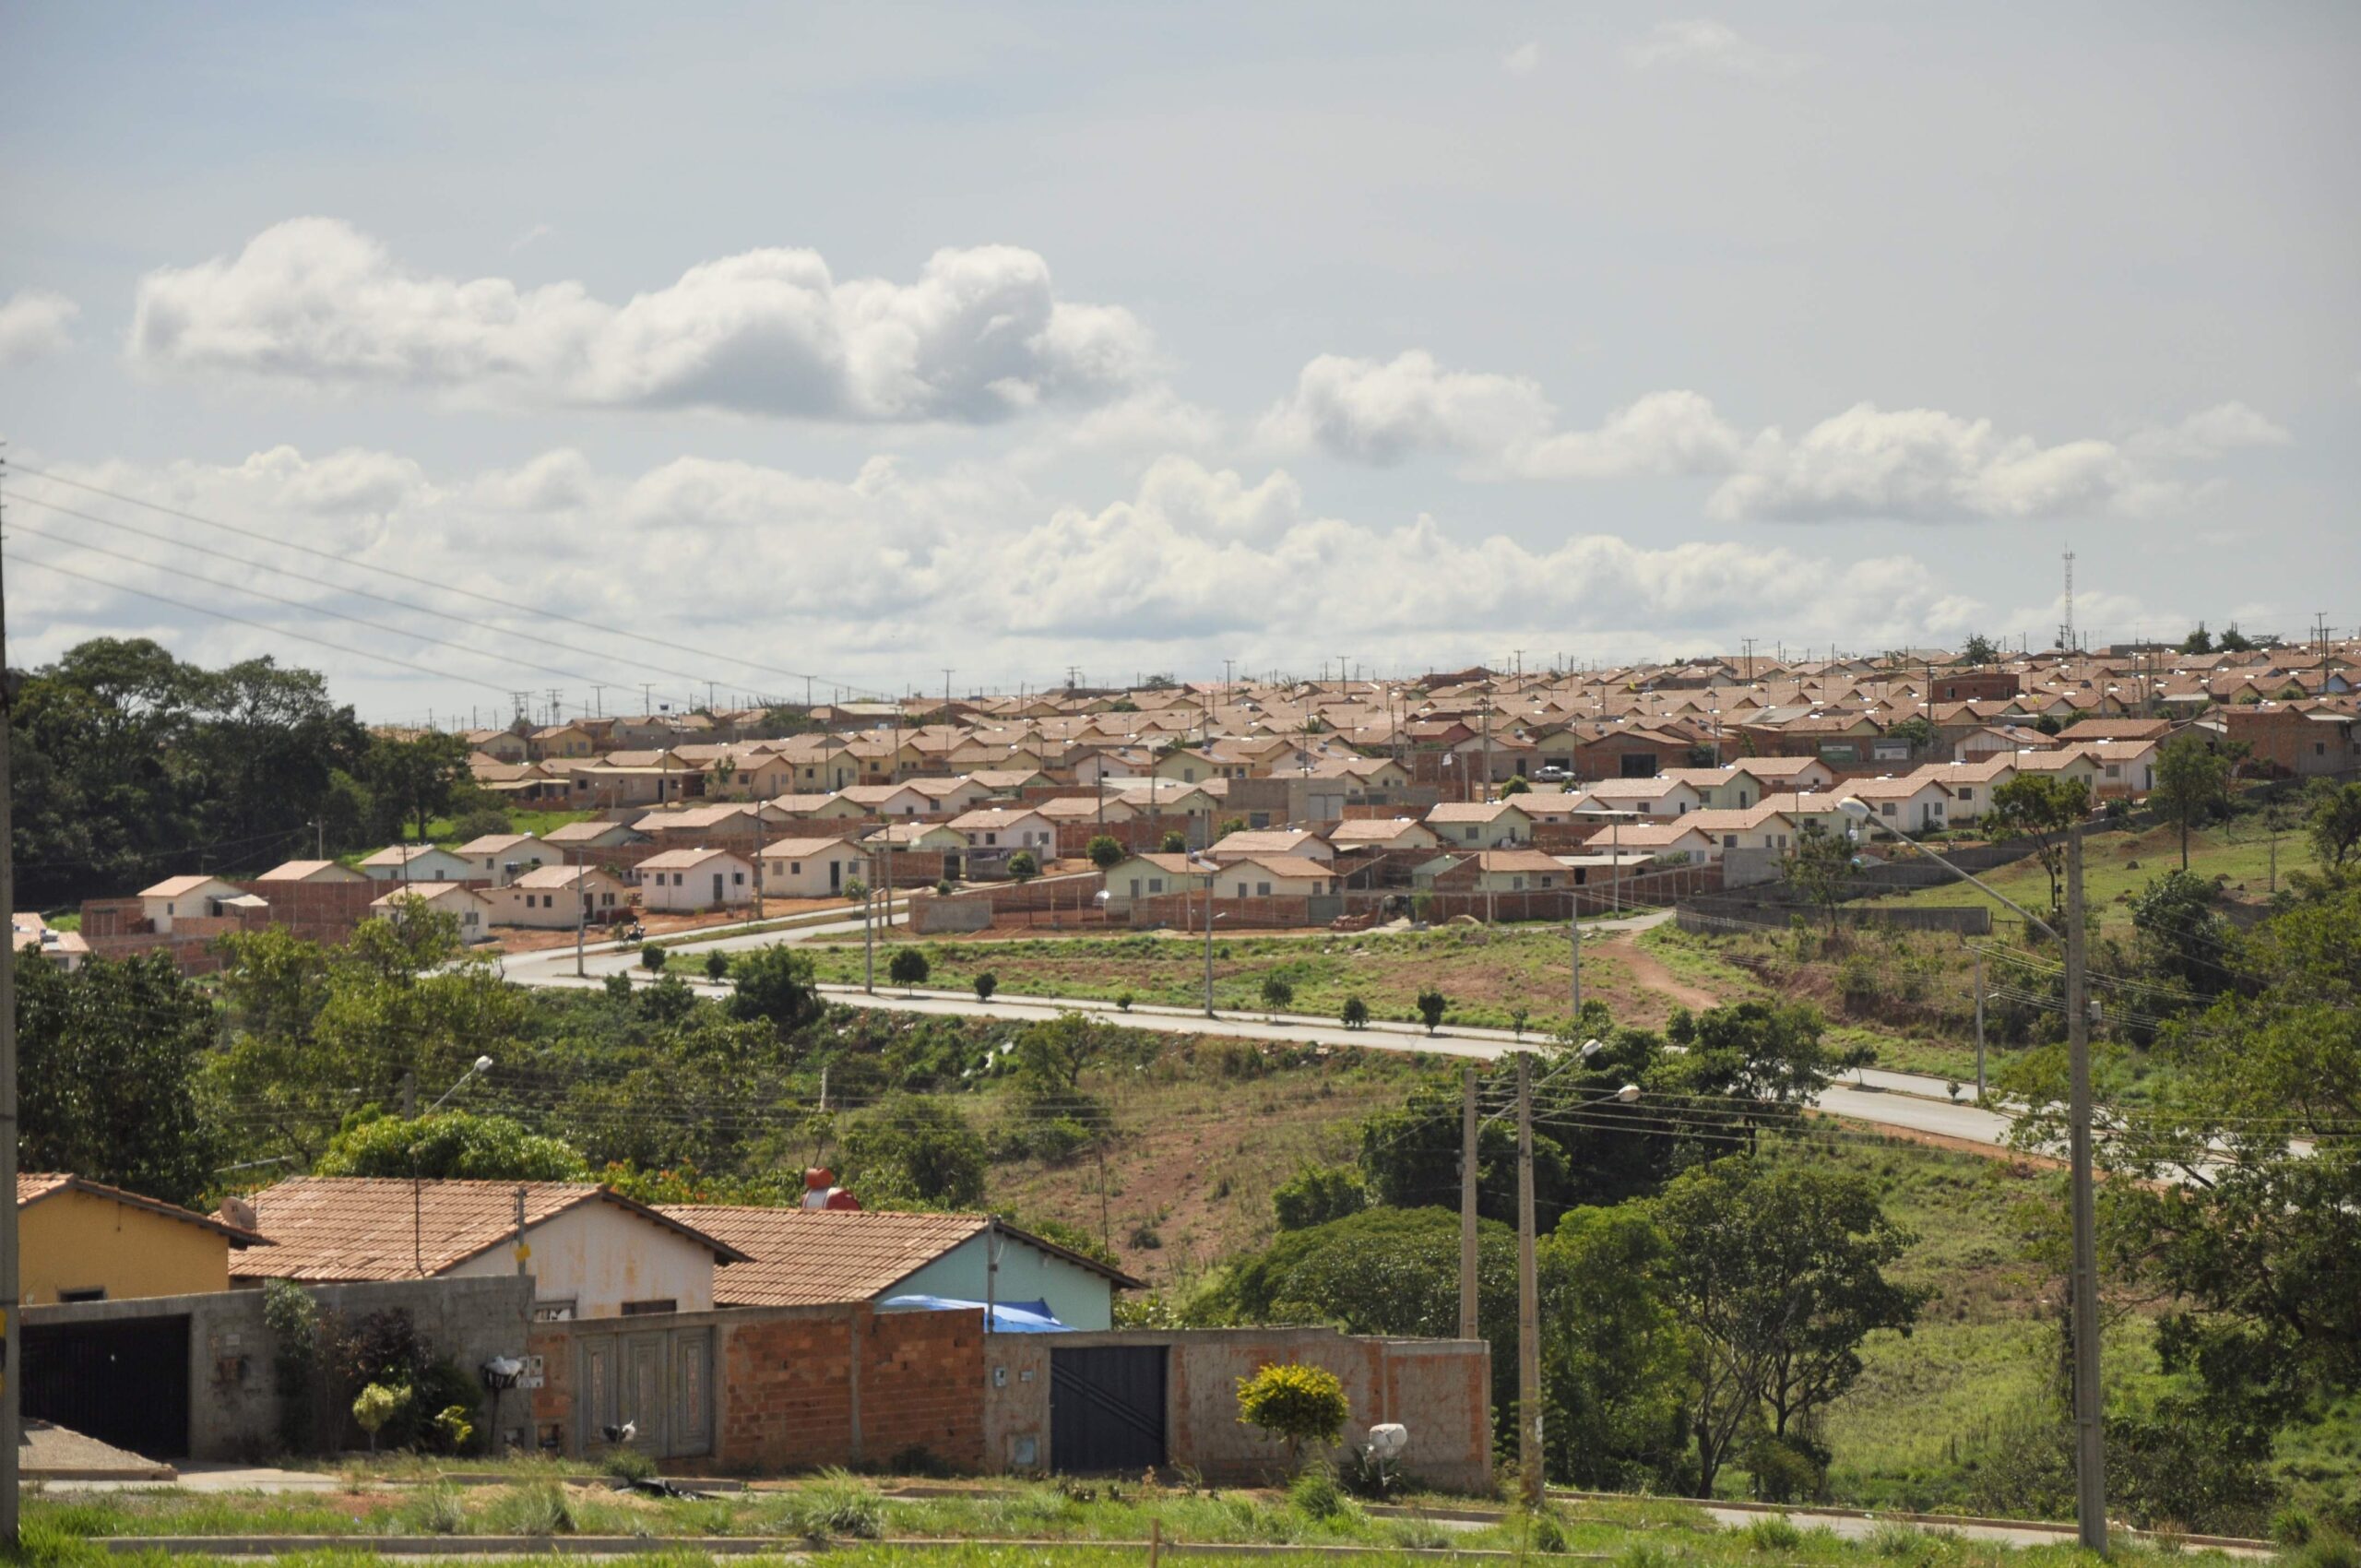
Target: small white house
[
  {"x": 1480, "y": 824},
  {"x": 1153, "y": 875},
  {"x": 682, "y": 882},
  {"x": 1247, "y": 843},
  {"x": 559, "y": 897},
  {"x": 811, "y": 868},
  {"x": 470, "y": 908},
  {"x": 1009, "y": 829},
  {"x": 418, "y": 862},
  {"x": 1381, "y": 833},
  {"x": 1912, "y": 804},
  {"x": 185, "y": 898},
  {"x": 501, "y": 858},
  {"x": 311, "y": 872},
  {"x": 1274, "y": 876}
]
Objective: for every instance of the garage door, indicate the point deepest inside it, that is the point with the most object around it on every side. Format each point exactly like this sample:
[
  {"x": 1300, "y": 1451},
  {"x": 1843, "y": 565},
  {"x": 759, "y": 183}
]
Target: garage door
[
  {"x": 121, "y": 1382},
  {"x": 1106, "y": 1409}
]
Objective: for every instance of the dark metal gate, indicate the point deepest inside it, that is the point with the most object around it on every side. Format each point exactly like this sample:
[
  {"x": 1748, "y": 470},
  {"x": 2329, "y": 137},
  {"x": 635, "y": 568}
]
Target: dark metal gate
[
  {"x": 121, "y": 1382},
  {"x": 1106, "y": 1409}
]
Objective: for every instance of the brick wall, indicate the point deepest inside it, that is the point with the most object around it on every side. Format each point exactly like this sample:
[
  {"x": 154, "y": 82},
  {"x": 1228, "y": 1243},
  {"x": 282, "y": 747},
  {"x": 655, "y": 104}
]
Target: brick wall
[
  {"x": 1186, "y": 912},
  {"x": 320, "y": 911}
]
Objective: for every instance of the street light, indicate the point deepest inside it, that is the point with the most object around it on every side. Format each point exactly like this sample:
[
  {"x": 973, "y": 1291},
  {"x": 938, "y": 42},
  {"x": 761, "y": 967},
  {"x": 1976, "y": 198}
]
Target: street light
[
  {"x": 2090, "y": 1435},
  {"x": 481, "y": 1064},
  {"x": 417, "y": 1190}
]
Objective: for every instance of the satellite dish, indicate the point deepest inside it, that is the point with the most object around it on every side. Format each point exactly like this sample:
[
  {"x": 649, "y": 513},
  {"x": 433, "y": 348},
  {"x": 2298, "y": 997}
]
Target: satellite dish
[
  {"x": 1388, "y": 1439},
  {"x": 241, "y": 1212}
]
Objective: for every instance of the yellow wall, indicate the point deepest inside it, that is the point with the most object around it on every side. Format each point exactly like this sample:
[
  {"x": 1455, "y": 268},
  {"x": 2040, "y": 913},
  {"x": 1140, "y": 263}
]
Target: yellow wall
[{"x": 74, "y": 1240}]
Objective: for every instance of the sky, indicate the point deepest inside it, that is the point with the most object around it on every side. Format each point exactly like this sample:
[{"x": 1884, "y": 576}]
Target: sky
[{"x": 647, "y": 355}]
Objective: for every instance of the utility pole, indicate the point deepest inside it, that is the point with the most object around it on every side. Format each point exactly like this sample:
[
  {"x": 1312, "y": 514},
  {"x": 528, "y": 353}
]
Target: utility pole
[
  {"x": 12, "y": 1423},
  {"x": 1980, "y": 1023},
  {"x": 869, "y": 930},
  {"x": 2090, "y": 1435},
  {"x": 1528, "y": 1298},
  {"x": 1574, "y": 950},
  {"x": 1467, "y": 1201},
  {"x": 1210, "y": 873},
  {"x": 582, "y": 915}
]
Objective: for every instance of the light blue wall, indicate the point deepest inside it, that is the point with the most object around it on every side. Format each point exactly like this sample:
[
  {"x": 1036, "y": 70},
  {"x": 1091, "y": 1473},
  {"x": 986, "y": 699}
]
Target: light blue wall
[{"x": 1078, "y": 1298}]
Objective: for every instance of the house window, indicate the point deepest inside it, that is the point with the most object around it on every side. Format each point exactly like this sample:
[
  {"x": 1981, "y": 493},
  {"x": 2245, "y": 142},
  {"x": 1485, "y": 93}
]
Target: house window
[
  {"x": 648, "y": 1308},
  {"x": 558, "y": 1311},
  {"x": 1967, "y": 791},
  {"x": 1887, "y": 809},
  {"x": 795, "y": 868},
  {"x": 737, "y": 878},
  {"x": 1156, "y": 884},
  {"x": 1471, "y": 835},
  {"x": 1262, "y": 890},
  {"x": 94, "y": 1293},
  {"x": 607, "y": 900}
]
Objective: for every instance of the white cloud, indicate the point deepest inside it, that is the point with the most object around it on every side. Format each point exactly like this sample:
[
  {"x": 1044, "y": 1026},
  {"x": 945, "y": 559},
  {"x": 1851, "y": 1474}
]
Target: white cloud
[
  {"x": 887, "y": 569},
  {"x": 979, "y": 336},
  {"x": 2210, "y": 432},
  {"x": 35, "y": 323},
  {"x": 1920, "y": 464},
  {"x": 1522, "y": 60},
  {"x": 1708, "y": 45}
]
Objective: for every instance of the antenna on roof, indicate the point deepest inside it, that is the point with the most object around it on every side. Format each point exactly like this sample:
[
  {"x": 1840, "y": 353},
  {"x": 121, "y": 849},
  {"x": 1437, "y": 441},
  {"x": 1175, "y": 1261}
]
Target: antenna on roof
[{"x": 2066, "y": 627}]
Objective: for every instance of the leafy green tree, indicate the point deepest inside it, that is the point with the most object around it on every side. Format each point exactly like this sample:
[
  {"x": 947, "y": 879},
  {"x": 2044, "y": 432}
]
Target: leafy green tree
[
  {"x": 1409, "y": 1156},
  {"x": 909, "y": 968},
  {"x": 2232, "y": 640},
  {"x": 1432, "y": 1004},
  {"x": 2182, "y": 931},
  {"x": 2044, "y": 808},
  {"x": 1105, "y": 852},
  {"x": 108, "y": 1063},
  {"x": 1295, "y": 1403},
  {"x": 2333, "y": 822},
  {"x": 1174, "y": 842},
  {"x": 776, "y": 984},
  {"x": 1819, "y": 870},
  {"x": 1355, "y": 1014},
  {"x": 716, "y": 965},
  {"x": 1980, "y": 649},
  {"x": 2192, "y": 782},
  {"x": 2197, "y": 641},
  {"x": 1318, "y": 1193},
  {"x": 1613, "y": 1356},
  {"x": 451, "y": 1144},
  {"x": 1277, "y": 991},
  {"x": 1746, "y": 1067},
  {"x": 653, "y": 958},
  {"x": 915, "y": 1149},
  {"x": 1916, "y": 730},
  {"x": 1515, "y": 786},
  {"x": 985, "y": 982},
  {"x": 413, "y": 780},
  {"x": 1051, "y": 1056},
  {"x": 1777, "y": 1273},
  {"x": 1023, "y": 867}
]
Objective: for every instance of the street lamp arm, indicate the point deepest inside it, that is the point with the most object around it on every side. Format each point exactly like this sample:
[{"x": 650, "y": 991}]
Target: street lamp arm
[{"x": 1966, "y": 876}]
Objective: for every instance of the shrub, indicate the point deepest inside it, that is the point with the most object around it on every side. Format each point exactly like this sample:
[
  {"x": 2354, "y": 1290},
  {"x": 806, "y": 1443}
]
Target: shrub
[
  {"x": 1295, "y": 1403},
  {"x": 652, "y": 958},
  {"x": 1355, "y": 1014},
  {"x": 1315, "y": 1495},
  {"x": 292, "y": 1318},
  {"x": 454, "y": 1424},
  {"x": 716, "y": 965},
  {"x": 481, "y": 822},
  {"x": 942, "y": 887},
  {"x": 1023, "y": 866},
  {"x": 375, "y": 1406},
  {"x": 1124, "y": 1002},
  {"x": 1775, "y": 1533},
  {"x": 1174, "y": 843},
  {"x": 986, "y": 984},
  {"x": 908, "y": 967},
  {"x": 1318, "y": 1193},
  {"x": 1277, "y": 991},
  {"x": 438, "y": 1511},
  {"x": 1105, "y": 852},
  {"x": 1431, "y": 1003},
  {"x": 533, "y": 1508},
  {"x": 627, "y": 1464},
  {"x": 855, "y": 889},
  {"x": 837, "y": 1505}
]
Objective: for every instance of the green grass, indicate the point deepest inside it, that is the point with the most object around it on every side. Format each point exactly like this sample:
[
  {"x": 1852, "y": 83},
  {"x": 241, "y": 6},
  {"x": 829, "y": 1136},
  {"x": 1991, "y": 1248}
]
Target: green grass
[
  {"x": 444, "y": 830},
  {"x": 1485, "y": 973},
  {"x": 2117, "y": 866}
]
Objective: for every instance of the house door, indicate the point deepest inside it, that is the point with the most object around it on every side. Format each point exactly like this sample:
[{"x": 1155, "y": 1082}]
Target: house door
[
  {"x": 716, "y": 887},
  {"x": 125, "y": 1382},
  {"x": 644, "y": 1393},
  {"x": 1107, "y": 1410},
  {"x": 835, "y": 876}
]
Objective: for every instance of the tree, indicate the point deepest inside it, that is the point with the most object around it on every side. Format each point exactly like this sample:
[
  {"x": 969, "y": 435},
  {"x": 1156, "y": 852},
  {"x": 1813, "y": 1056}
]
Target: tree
[
  {"x": 1778, "y": 1275},
  {"x": 481, "y": 823},
  {"x": 1355, "y": 1014},
  {"x": 1746, "y": 1067},
  {"x": 2192, "y": 782},
  {"x": 375, "y": 1406},
  {"x": 1054, "y": 1056},
  {"x": 2333, "y": 822},
  {"x": 1318, "y": 1193},
  {"x": 414, "y": 779},
  {"x": 1516, "y": 786},
  {"x": 453, "y": 1145},
  {"x": 1819, "y": 870},
  {"x": 1229, "y": 825},
  {"x": 2043, "y": 807},
  {"x": 909, "y": 968},
  {"x": 1295, "y": 1403},
  {"x": 716, "y": 965},
  {"x": 1980, "y": 649},
  {"x": 1613, "y": 1357},
  {"x": 1277, "y": 991},
  {"x": 2181, "y": 932},
  {"x": 915, "y": 1149},
  {"x": 776, "y": 984},
  {"x": 1023, "y": 867},
  {"x": 653, "y": 958},
  {"x": 1431, "y": 1006},
  {"x": 1105, "y": 852},
  {"x": 108, "y": 1063},
  {"x": 2232, "y": 640},
  {"x": 1174, "y": 842},
  {"x": 2197, "y": 641},
  {"x": 986, "y": 982}
]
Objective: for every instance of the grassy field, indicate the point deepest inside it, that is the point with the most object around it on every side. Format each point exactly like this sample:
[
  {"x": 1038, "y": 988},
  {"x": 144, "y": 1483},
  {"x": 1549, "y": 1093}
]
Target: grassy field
[
  {"x": 2117, "y": 866},
  {"x": 1101, "y": 1524},
  {"x": 444, "y": 830},
  {"x": 1485, "y": 973}
]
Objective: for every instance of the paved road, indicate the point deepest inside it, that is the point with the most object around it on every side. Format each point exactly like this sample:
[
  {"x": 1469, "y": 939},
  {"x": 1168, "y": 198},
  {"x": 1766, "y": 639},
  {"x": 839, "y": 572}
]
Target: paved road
[{"x": 1903, "y": 1100}]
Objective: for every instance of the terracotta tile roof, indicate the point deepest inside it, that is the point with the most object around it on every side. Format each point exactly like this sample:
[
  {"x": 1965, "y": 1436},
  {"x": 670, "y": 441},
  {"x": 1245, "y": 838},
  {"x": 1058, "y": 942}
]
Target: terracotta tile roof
[
  {"x": 174, "y": 886},
  {"x": 814, "y": 1257},
  {"x": 34, "y": 1185},
  {"x": 359, "y": 1228},
  {"x": 300, "y": 871},
  {"x": 683, "y": 860}
]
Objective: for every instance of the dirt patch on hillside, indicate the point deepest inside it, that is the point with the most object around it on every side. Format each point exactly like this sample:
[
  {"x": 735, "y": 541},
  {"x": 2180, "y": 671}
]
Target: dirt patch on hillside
[{"x": 1650, "y": 973}]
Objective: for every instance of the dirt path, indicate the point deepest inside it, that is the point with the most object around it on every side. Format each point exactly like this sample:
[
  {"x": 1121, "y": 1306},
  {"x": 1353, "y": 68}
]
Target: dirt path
[{"x": 1649, "y": 973}]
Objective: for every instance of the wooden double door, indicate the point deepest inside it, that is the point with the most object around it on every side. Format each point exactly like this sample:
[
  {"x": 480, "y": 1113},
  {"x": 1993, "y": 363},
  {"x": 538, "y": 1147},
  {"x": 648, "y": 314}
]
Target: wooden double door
[{"x": 657, "y": 1381}]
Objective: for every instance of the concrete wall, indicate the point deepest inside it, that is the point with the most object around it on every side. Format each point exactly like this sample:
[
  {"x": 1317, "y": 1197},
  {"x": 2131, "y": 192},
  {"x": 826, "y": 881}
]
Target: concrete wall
[
  {"x": 1077, "y": 1297},
  {"x": 76, "y": 1240},
  {"x": 1440, "y": 1389},
  {"x": 599, "y": 1256},
  {"x": 233, "y": 1405}
]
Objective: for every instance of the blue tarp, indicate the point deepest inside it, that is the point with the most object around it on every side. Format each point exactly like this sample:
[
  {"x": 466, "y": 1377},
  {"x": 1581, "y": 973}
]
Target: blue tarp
[{"x": 1007, "y": 1317}]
